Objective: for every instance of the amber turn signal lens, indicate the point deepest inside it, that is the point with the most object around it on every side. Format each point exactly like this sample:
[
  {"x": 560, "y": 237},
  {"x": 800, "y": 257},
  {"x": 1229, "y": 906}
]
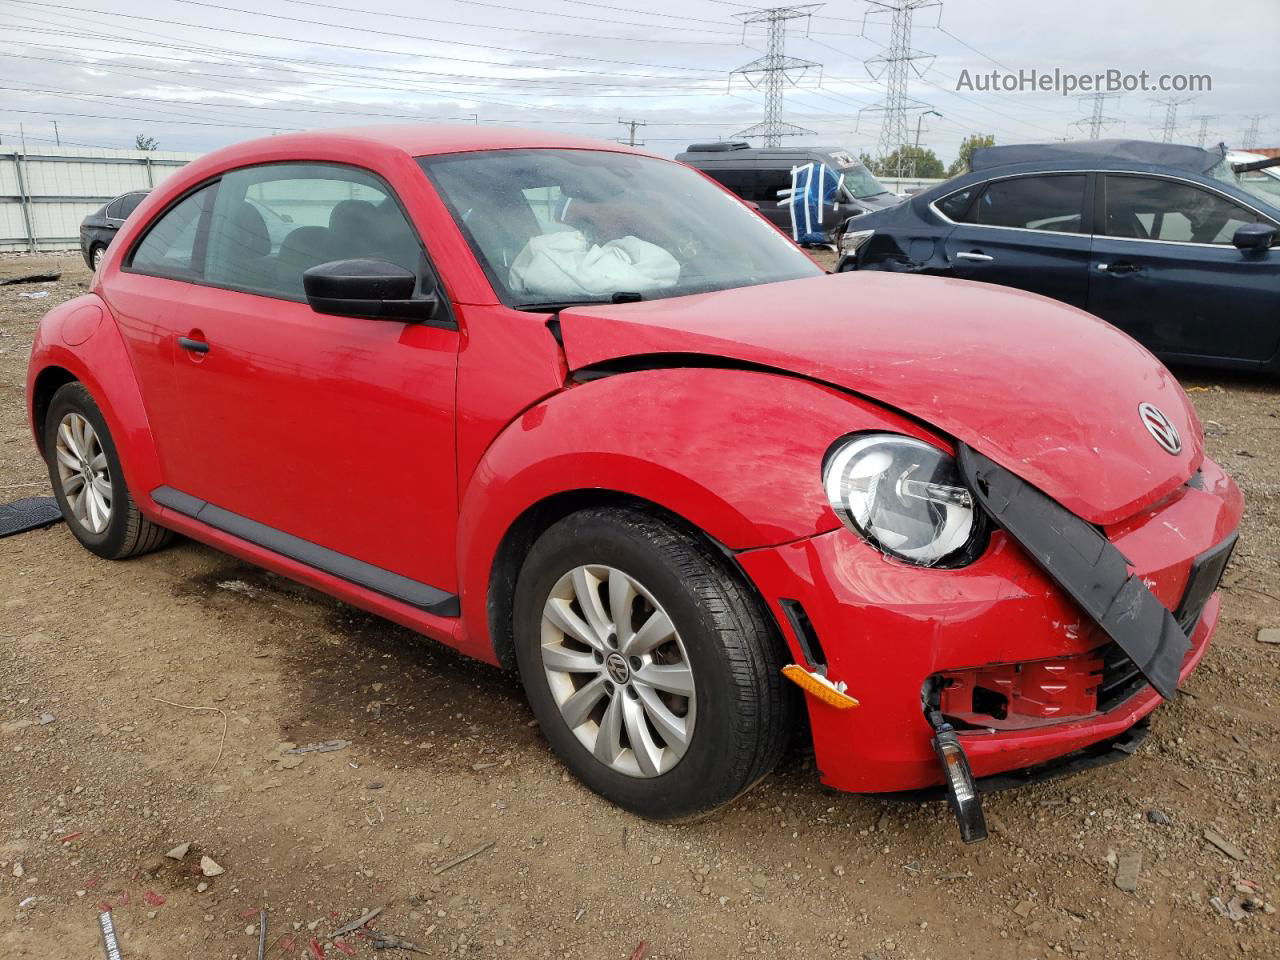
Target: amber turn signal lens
[{"x": 816, "y": 685}]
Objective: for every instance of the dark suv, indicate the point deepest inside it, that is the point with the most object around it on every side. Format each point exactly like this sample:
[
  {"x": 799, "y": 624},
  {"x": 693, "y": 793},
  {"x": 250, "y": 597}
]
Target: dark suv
[
  {"x": 763, "y": 174},
  {"x": 99, "y": 227}
]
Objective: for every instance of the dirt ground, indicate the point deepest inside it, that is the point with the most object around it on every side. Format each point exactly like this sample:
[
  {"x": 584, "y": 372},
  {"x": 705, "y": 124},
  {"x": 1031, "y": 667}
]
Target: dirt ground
[{"x": 444, "y": 759}]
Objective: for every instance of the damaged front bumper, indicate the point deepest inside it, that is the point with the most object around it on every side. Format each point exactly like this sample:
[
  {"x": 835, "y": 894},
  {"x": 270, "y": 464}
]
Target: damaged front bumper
[{"x": 889, "y": 631}]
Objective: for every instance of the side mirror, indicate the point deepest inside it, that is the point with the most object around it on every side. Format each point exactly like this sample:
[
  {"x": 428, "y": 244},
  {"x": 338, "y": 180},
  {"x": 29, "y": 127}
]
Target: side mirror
[
  {"x": 366, "y": 288},
  {"x": 1254, "y": 236}
]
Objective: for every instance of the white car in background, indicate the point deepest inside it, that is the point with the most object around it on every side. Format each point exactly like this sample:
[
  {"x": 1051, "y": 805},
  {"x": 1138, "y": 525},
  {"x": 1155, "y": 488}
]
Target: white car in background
[{"x": 1265, "y": 182}]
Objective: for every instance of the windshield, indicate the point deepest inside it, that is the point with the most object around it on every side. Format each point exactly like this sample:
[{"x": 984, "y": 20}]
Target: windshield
[
  {"x": 858, "y": 180},
  {"x": 1263, "y": 184},
  {"x": 553, "y": 227}
]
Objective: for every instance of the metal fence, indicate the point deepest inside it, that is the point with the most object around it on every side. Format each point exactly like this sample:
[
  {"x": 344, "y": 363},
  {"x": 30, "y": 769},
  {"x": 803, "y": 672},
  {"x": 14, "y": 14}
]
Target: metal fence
[{"x": 45, "y": 192}]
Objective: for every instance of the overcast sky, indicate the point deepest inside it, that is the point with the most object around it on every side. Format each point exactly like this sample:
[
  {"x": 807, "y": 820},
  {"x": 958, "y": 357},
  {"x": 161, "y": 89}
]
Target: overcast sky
[{"x": 198, "y": 74}]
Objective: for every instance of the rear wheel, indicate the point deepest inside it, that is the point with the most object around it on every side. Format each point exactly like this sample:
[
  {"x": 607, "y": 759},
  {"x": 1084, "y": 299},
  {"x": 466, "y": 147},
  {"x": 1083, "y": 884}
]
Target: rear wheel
[
  {"x": 652, "y": 671},
  {"x": 88, "y": 483},
  {"x": 95, "y": 256}
]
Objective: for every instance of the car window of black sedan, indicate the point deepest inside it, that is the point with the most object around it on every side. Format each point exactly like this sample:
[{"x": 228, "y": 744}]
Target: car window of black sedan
[
  {"x": 1052, "y": 203},
  {"x": 1149, "y": 208},
  {"x": 169, "y": 247}
]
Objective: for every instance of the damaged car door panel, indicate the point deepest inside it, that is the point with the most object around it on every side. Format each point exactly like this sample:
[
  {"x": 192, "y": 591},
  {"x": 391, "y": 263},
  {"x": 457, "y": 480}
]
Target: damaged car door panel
[{"x": 547, "y": 401}]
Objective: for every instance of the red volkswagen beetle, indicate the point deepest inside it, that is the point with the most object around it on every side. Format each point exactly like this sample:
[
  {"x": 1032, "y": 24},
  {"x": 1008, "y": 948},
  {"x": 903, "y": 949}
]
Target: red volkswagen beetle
[{"x": 578, "y": 411}]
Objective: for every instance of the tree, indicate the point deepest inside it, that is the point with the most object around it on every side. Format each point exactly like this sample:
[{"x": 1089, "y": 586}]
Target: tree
[
  {"x": 143, "y": 142},
  {"x": 915, "y": 162},
  {"x": 971, "y": 143}
]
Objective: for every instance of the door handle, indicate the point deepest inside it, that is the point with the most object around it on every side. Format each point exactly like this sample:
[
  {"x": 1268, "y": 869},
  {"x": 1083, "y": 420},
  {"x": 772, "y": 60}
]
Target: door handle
[
  {"x": 1118, "y": 268},
  {"x": 195, "y": 346},
  {"x": 973, "y": 255}
]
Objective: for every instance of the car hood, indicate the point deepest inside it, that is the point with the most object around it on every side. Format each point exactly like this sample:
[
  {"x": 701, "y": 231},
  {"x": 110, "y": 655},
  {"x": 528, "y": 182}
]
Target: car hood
[{"x": 1045, "y": 390}]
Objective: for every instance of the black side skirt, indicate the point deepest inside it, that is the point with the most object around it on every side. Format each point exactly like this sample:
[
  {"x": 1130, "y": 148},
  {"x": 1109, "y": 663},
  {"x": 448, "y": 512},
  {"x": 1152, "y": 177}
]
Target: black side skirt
[
  {"x": 1086, "y": 565},
  {"x": 420, "y": 595}
]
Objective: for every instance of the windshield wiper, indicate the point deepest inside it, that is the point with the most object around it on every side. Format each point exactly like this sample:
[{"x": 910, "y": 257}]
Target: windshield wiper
[{"x": 555, "y": 306}]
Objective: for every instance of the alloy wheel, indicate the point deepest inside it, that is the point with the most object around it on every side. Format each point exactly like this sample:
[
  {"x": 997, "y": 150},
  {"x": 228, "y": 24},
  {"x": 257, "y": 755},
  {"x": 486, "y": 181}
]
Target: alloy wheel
[
  {"x": 618, "y": 670},
  {"x": 83, "y": 472}
]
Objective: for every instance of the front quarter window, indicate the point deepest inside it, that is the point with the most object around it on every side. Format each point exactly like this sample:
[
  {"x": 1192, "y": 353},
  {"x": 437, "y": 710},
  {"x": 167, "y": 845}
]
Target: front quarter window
[
  {"x": 561, "y": 226},
  {"x": 168, "y": 249}
]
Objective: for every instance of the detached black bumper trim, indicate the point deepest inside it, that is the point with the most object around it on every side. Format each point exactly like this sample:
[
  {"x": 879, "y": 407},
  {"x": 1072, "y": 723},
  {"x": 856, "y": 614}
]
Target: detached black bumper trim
[{"x": 1086, "y": 565}]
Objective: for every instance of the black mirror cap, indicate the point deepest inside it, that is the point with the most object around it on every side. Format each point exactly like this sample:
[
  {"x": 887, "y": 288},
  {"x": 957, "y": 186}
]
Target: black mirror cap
[
  {"x": 1254, "y": 236},
  {"x": 366, "y": 287}
]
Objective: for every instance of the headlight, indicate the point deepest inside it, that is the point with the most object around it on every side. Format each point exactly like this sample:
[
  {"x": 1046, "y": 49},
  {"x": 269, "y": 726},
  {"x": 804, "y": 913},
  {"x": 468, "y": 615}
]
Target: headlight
[
  {"x": 851, "y": 240},
  {"x": 903, "y": 496}
]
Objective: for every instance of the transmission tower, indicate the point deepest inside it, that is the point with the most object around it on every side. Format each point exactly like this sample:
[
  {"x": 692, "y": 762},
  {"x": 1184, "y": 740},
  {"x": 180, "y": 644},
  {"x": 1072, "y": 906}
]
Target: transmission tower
[
  {"x": 774, "y": 71},
  {"x": 1249, "y": 139},
  {"x": 894, "y": 64},
  {"x": 1203, "y": 133},
  {"x": 1097, "y": 120},
  {"x": 1171, "y": 105},
  {"x": 631, "y": 125}
]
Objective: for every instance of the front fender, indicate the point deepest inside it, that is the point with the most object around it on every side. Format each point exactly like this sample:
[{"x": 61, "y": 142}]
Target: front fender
[
  {"x": 81, "y": 338},
  {"x": 735, "y": 453}
]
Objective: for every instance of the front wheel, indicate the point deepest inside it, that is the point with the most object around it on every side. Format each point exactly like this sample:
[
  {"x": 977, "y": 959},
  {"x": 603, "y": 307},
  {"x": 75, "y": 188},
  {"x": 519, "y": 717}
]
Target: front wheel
[
  {"x": 651, "y": 669},
  {"x": 88, "y": 482}
]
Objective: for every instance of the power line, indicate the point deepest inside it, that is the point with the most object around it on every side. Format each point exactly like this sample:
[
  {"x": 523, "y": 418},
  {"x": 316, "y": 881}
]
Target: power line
[{"x": 774, "y": 71}]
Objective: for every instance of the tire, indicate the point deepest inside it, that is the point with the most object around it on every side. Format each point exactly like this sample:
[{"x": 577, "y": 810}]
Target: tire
[
  {"x": 95, "y": 257},
  {"x": 724, "y": 648},
  {"x": 74, "y": 425}
]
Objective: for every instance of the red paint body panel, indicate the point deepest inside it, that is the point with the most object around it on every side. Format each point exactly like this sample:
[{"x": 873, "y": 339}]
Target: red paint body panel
[
  {"x": 1045, "y": 390},
  {"x": 415, "y": 448}
]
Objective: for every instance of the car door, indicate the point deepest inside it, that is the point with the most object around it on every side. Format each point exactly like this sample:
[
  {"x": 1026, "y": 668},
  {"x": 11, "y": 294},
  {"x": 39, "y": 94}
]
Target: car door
[
  {"x": 328, "y": 438},
  {"x": 1166, "y": 272},
  {"x": 1027, "y": 231}
]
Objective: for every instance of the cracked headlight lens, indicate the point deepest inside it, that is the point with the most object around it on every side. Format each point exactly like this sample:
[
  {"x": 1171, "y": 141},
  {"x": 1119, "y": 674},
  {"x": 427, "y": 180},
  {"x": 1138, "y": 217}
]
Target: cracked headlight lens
[{"x": 903, "y": 496}]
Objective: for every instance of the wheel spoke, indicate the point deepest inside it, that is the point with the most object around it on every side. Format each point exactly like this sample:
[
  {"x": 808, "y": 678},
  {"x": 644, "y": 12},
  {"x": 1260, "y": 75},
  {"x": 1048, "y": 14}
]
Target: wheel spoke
[
  {"x": 79, "y": 427},
  {"x": 80, "y": 506},
  {"x": 103, "y": 489},
  {"x": 622, "y": 596},
  {"x": 674, "y": 730},
  {"x": 656, "y": 631},
  {"x": 569, "y": 623},
  {"x": 93, "y": 520},
  {"x": 577, "y": 709},
  {"x": 67, "y": 436},
  {"x": 586, "y": 588},
  {"x": 99, "y": 462},
  {"x": 674, "y": 678},
  {"x": 66, "y": 458},
  {"x": 609, "y": 740},
  {"x": 648, "y": 753},
  {"x": 73, "y": 484},
  {"x": 557, "y": 657}
]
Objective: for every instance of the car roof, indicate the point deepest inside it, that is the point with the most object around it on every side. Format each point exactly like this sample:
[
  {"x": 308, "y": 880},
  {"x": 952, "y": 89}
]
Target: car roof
[
  {"x": 1099, "y": 154},
  {"x": 427, "y": 139}
]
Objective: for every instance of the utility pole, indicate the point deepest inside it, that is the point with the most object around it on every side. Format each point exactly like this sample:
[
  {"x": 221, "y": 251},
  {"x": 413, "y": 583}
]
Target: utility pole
[
  {"x": 774, "y": 71},
  {"x": 1203, "y": 134},
  {"x": 1249, "y": 139},
  {"x": 915, "y": 157},
  {"x": 631, "y": 125},
  {"x": 1171, "y": 105},
  {"x": 1097, "y": 120},
  {"x": 56, "y": 139},
  {"x": 894, "y": 64}
]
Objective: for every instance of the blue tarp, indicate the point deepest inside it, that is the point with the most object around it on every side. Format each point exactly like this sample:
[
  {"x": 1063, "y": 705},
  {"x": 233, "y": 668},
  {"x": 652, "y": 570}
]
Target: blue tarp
[{"x": 814, "y": 186}]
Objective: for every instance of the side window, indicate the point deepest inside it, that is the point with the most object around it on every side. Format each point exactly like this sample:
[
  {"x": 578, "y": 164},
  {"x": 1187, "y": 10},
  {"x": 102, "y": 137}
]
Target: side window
[
  {"x": 168, "y": 249},
  {"x": 115, "y": 209},
  {"x": 769, "y": 182},
  {"x": 130, "y": 203},
  {"x": 1148, "y": 208},
  {"x": 1053, "y": 203},
  {"x": 954, "y": 206},
  {"x": 272, "y": 223}
]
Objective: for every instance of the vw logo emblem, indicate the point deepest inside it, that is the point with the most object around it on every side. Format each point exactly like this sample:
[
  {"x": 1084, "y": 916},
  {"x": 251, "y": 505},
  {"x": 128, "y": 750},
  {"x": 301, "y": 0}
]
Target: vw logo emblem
[
  {"x": 618, "y": 668},
  {"x": 1160, "y": 427}
]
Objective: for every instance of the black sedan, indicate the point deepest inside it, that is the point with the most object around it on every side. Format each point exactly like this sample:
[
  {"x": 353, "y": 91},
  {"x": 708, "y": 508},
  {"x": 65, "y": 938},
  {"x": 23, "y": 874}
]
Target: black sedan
[
  {"x": 1167, "y": 242},
  {"x": 99, "y": 228}
]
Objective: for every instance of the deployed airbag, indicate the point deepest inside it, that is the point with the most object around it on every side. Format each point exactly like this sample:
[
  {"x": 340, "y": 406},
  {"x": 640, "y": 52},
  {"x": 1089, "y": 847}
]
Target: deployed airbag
[
  {"x": 1086, "y": 565},
  {"x": 565, "y": 265}
]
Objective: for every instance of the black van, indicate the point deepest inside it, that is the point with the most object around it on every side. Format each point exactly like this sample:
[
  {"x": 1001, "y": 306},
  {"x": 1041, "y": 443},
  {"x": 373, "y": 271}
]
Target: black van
[{"x": 758, "y": 174}]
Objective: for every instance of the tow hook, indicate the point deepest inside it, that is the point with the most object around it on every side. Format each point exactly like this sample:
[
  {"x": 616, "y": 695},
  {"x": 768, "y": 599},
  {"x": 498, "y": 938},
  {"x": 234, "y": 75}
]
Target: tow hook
[{"x": 962, "y": 792}]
